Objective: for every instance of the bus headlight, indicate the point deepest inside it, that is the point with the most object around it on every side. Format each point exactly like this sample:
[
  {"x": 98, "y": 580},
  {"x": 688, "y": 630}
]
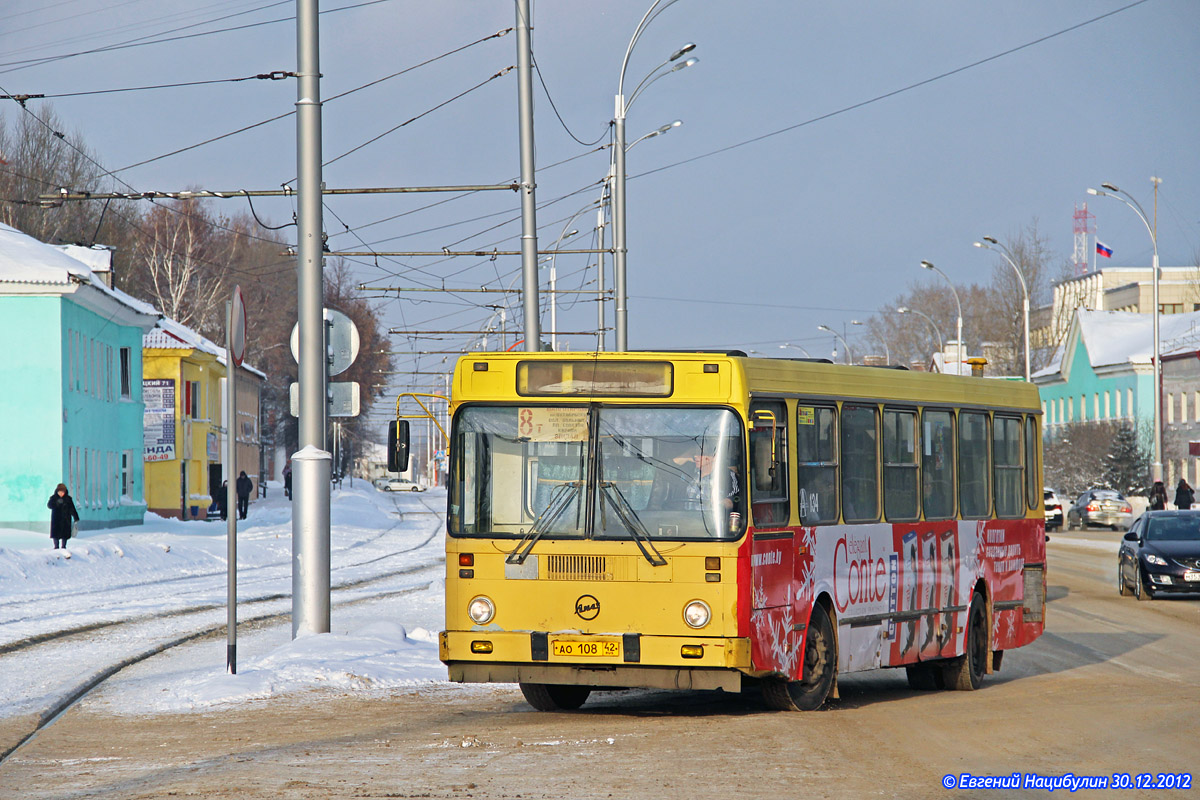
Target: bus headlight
[
  {"x": 481, "y": 610},
  {"x": 697, "y": 614}
]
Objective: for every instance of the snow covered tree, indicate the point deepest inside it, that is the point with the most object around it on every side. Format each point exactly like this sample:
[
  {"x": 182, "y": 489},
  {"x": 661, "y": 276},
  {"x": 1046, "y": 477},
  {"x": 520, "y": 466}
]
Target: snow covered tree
[{"x": 1127, "y": 463}]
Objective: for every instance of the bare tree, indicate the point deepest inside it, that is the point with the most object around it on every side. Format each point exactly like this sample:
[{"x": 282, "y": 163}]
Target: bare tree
[
  {"x": 40, "y": 159},
  {"x": 181, "y": 264}
]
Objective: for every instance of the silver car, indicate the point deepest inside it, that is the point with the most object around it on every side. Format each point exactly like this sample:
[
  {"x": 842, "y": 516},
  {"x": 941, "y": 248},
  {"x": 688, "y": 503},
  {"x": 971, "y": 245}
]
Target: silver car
[{"x": 1100, "y": 507}]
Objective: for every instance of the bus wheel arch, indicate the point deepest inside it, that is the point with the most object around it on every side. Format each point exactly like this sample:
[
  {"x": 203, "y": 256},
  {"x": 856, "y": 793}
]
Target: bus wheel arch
[
  {"x": 966, "y": 672},
  {"x": 820, "y": 666}
]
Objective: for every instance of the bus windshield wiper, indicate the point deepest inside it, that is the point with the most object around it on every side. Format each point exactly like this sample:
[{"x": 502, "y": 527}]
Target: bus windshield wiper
[
  {"x": 632, "y": 522},
  {"x": 560, "y": 501}
]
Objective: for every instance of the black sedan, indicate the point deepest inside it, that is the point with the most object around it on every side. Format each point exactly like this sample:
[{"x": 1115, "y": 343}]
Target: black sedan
[{"x": 1161, "y": 553}]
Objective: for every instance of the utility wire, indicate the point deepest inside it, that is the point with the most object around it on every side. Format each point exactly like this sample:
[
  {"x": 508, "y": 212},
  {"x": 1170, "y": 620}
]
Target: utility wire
[
  {"x": 443, "y": 104},
  {"x": 277, "y": 75},
  {"x": 138, "y": 42},
  {"x": 894, "y": 92},
  {"x": 324, "y": 102}
]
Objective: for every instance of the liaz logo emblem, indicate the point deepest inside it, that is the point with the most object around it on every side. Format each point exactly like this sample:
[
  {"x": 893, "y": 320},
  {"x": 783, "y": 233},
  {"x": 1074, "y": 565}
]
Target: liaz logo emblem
[{"x": 587, "y": 607}]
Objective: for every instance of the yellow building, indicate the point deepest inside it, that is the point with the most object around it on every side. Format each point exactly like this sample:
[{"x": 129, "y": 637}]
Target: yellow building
[{"x": 183, "y": 386}]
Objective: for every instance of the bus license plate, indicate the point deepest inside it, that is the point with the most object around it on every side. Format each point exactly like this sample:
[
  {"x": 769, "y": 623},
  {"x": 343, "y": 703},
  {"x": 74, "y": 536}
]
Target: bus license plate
[{"x": 597, "y": 649}]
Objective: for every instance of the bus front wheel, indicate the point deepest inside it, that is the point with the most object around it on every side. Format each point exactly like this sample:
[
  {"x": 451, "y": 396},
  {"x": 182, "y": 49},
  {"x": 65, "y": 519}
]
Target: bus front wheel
[
  {"x": 966, "y": 672},
  {"x": 820, "y": 670},
  {"x": 554, "y": 697}
]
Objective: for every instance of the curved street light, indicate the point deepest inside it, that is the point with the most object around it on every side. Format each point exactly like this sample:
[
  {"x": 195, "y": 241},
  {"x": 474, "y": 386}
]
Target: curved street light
[
  {"x": 789, "y": 345},
  {"x": 992, "y": 244},
  {"x": 930, "y": 266},
  {"x": 929, "y": 319},
  {"x": 621, "y": 109},
  {"x": 887, "y": 350},
  {"x": 827, "y": 329},
  {"x": 1128, "y": 199}
]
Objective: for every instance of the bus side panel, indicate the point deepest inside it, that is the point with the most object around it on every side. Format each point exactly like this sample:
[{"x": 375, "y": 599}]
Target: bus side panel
[
  {"x": 1008, "y": 547},
  {"x": 863, "y": 581},
  {"x": 774, "y": 640}
]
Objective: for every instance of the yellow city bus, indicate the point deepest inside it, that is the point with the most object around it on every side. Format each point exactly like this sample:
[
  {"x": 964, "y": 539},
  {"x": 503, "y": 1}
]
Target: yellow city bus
[{"x": 702, "y": 520}]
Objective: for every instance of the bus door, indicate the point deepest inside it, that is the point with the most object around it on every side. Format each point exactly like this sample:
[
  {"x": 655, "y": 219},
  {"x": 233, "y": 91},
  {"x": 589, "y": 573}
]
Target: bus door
[{"x": 776, "y": 638}]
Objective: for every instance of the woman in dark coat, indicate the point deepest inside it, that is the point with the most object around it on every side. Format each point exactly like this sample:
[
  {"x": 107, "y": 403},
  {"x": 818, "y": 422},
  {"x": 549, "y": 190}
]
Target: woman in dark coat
[
  {"x": 1184, "y": 496},
  {"x": 62, "y": 512},
  {"x": 1158, "y": 496}
]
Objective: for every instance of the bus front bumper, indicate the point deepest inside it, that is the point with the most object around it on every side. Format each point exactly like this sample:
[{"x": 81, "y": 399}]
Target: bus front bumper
[{"x": 626, "y": 661}]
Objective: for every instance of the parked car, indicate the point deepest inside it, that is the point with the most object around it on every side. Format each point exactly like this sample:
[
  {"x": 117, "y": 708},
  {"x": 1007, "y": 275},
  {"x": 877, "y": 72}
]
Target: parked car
[
  {"x": 1161, "y": 553},
  {"x": 402, "y": 485},
  {"x": 1054, "y": 512},
  {"x": 1100, "y": 507}
]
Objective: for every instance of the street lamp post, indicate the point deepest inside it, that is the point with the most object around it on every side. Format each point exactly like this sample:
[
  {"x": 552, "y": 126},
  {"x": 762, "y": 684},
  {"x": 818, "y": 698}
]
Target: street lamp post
[
  {"x": 992, "y": 244},
  {"x": 789, "y": 345},
  {"x": 621, "y": 109},
  {"x": 1128, "y": 199},
  {"x": 845, "y": 344},
  {"x": 606, "y": 197},
  {"x": 927, "y": 318},
  {"x": 554, "y": 278},
  {"x": 930, "y": 266},
  {"x": 886, "y": 350}
]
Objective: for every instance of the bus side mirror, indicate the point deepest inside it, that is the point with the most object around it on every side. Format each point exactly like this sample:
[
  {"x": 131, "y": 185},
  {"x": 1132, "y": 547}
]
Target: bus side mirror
[{"x": 397, "y": 446}]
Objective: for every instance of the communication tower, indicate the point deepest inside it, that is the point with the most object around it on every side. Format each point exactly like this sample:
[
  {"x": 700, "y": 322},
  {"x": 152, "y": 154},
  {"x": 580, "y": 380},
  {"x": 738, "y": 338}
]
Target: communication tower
[{"x": 1085, "y": 225}]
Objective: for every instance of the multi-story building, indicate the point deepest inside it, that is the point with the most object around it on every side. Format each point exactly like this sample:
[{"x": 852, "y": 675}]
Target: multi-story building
[
  {"x": 71, "y": 409},
  {"x": 184, "y": 378}
]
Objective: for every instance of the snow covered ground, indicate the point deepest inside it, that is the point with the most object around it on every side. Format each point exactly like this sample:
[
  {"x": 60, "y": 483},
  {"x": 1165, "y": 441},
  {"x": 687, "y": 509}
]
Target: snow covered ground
[{"x": 169, "y": 578}]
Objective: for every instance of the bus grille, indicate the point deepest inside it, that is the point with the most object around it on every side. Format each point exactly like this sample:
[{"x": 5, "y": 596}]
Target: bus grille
[{"x": 577, "y": 568}]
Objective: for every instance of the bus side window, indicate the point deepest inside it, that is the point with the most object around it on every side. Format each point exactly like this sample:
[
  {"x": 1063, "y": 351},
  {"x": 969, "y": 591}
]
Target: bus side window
[
  {"x": 900, "y": 478},
  {"x": 937, "y": 464},
  {"x": 816, "y": 464},
  {"x": 973, "y": 464},
  {"x": 1007, "y": 465},
  {"x": 860, "y": 463},
  {"x": 768, "y": 464},
  {"x": 1033, "y": 483}
]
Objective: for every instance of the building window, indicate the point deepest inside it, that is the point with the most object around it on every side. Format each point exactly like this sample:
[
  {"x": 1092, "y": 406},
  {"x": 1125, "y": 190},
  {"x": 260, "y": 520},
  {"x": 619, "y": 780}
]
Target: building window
[
  {"x": 1107, "y": 407},
  {"x": 192, "y": 399},
  {"x": 126, "y": 373},
  {"x": 1129, "y": 408},
  {"x": 1117, "y": 403},
  {"x": 1170, "y": 308},
  {"x": 1170, "y": 408},
  {"x": 1096, "y": 405}
]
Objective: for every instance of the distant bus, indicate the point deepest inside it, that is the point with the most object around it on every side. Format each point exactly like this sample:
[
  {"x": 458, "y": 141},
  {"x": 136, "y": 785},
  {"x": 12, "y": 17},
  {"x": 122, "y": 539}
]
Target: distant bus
[{"x": 709, "y": 521}]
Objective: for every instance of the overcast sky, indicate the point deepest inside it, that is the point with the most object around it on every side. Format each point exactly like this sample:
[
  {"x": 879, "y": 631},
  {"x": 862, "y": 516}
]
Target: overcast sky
[{"x": 766, "y": 214}]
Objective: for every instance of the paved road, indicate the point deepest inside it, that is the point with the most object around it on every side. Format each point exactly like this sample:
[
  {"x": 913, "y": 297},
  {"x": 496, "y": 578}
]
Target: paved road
[{"x": 1112, "y": 687}]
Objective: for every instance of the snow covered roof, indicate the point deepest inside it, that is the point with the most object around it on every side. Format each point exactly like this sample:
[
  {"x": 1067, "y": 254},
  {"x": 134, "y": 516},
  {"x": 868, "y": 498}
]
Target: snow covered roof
[
  {"x": 1113, "y": 338},
  {"x": 27, "y": 263},
  {"x": 171, "y": 335},
  {"x": 24, "y": 259}
]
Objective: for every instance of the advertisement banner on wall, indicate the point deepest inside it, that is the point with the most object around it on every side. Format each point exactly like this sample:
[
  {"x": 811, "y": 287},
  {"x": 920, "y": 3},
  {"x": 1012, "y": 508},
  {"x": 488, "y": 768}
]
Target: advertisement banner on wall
[{"x": 158, "y": 421}]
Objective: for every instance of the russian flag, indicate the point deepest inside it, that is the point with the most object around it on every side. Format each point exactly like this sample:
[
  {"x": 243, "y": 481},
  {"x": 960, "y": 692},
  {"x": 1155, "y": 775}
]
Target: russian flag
[{"x": 1102, "y": 250}]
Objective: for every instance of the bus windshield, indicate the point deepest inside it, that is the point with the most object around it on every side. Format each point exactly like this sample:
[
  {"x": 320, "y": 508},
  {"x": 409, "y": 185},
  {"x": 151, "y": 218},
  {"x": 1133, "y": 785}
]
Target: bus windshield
[{"x": 611, "y": 472}]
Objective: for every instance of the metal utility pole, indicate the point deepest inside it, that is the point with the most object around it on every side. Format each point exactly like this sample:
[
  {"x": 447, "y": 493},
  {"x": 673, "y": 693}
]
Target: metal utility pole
[
  {"x": 310, "y": 466},
  {"x": 533, "y": 332}
]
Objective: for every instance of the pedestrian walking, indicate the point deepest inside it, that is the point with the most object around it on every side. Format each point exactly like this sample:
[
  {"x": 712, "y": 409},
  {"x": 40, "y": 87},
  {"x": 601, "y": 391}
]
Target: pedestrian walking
[
  {"x": 287, "y": 480},
  {"x": 1184, "y": 495},
  {"x": 244, "y": 487},
  {"x": 223, "y": 499},
  {"x": 1158, "y": 497},
  {"x": 63, "y": 516}
]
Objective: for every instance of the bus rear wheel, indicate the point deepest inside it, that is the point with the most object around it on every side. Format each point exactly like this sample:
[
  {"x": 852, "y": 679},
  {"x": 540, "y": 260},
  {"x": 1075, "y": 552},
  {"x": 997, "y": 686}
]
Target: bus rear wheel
[
  {"x": 966, "y": 672},
  {"x": 555, "y": 697},
  {"x": 820, "y": 670}
]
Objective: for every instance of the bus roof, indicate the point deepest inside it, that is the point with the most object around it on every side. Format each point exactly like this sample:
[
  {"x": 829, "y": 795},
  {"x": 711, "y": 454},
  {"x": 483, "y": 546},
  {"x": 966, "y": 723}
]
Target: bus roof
[{"x": 729, "y": 377}]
